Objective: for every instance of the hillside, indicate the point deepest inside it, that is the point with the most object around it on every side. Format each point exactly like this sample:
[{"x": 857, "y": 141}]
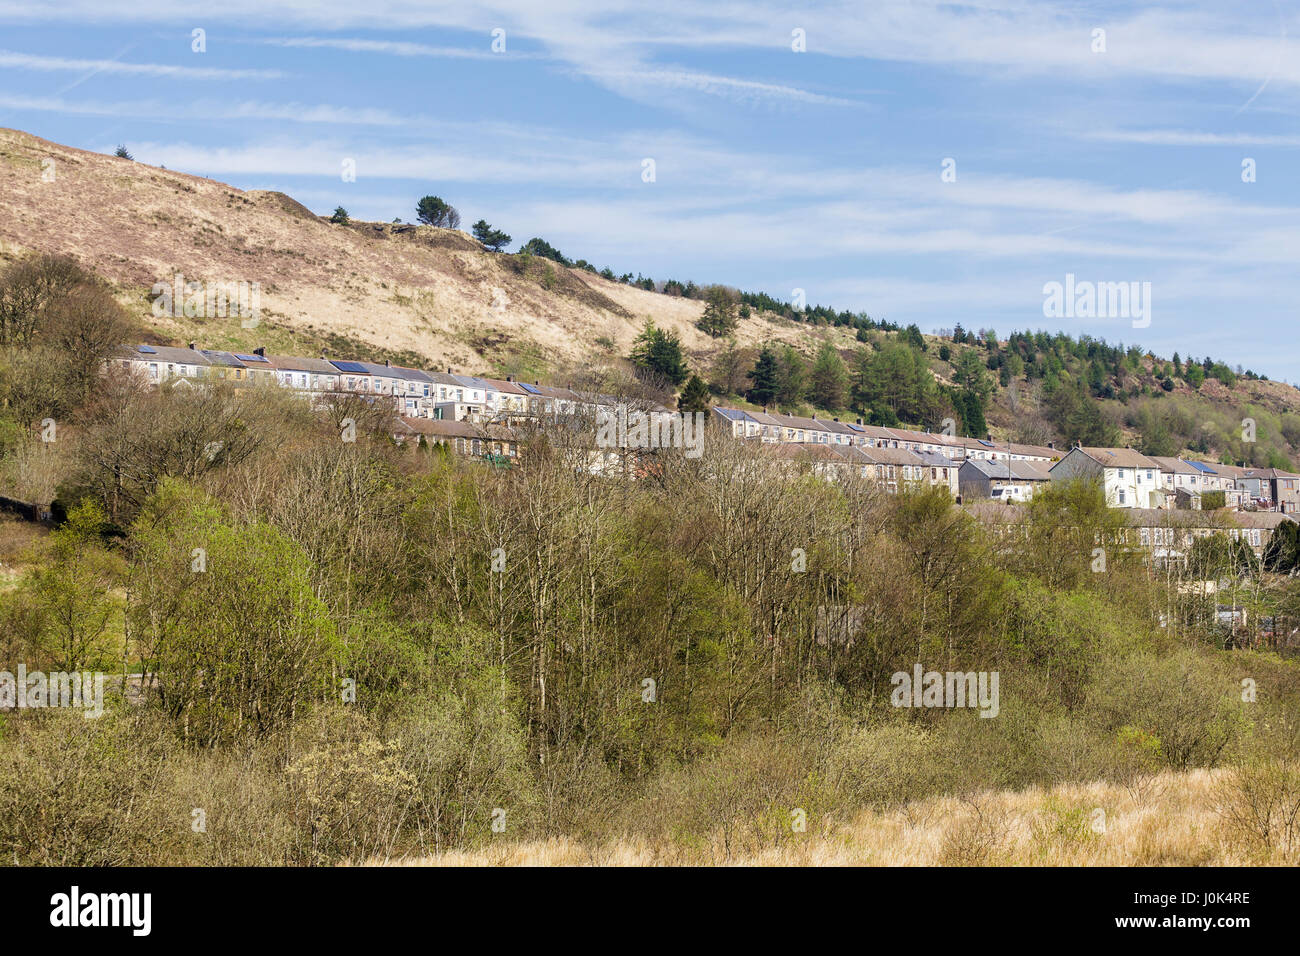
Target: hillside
[
  {"x": 434, "y": 297},
  {"x": 429, "y": 295}
]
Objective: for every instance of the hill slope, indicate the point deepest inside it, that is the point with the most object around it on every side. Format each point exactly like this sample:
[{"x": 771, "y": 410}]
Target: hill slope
[
  {"x": 432, "y": 295},
  {"x": 435, "y": 297}
]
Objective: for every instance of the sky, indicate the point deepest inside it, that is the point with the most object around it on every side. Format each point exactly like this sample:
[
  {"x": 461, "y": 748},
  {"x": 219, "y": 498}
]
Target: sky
[{"x": 935, "y": 163}]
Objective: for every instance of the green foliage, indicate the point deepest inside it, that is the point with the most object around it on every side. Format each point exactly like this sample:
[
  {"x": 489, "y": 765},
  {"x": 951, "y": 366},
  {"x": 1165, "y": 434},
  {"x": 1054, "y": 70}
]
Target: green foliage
[
  {"x": 657, "y": 355},
  {"x": 494, "y": 239},
  {"x": 719, "y": 316},
  {"x": 829, "y": 385},
  {"x": 695, "y": 396},
  {"x": 340, "y": 216},
  {"x": 895, "y": 384},
  {"x": 434, "y": 211},
  {"x": 540, "y": 247},
  {"x": 765, "y": 376},
  {"x": 73, "y": 589},
  {"x": 1076, "y": 417},
  {"x": 231, "y": 619}
]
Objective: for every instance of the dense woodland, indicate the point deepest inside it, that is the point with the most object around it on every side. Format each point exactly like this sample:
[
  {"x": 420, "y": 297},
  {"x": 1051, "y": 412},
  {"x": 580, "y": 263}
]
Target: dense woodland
[{"x": 370, "y": 651}]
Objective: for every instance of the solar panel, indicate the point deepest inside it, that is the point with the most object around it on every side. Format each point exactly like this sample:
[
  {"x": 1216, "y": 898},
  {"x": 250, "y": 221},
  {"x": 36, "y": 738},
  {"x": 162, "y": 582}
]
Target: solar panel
[
  {"x": 856, "y": 428},
  {"x": 147, "y": 350},
  {"x": 530, "y": 389},
  {"x": 986, "y": 444},
  {"x": 355, "y": 367},
  {"x": 250, "y": 358}
]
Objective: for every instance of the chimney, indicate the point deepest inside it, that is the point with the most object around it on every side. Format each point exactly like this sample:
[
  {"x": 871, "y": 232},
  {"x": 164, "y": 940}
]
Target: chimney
[
  {"x": 510, "y": 378},
  {"x": 388, "y": 363},
  {"x": 835, "y": 419},
  {"x": 859, "y": 421},
  {"x": 1052, "y": 445},
  {"x": 260, "y": 350},
  {"x": 193, "y": 346},
  {"x": 450, "y": 370}
]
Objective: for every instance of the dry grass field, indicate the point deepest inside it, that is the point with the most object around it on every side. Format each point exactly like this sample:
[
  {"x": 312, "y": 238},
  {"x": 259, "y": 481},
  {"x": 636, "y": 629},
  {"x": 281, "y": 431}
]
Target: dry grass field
[
  {"x": 420, "y": 293},
  {"x": 1198, "y": 818}
]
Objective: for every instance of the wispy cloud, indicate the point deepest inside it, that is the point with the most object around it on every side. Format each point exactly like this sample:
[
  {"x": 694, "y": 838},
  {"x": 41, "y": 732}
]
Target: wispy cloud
[
  {"x": 1177, "y": 137},
  {"x": 327, "y": 114},
  {"x": 28, "y": 61},
  {"x": 750, "y": 91},
  {"x": 392, "y": 48}
]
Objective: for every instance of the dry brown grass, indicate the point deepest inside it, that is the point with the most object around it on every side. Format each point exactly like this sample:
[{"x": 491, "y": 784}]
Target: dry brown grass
[
  {"x": 429, "y": 292},
  {"x": 1171, "y": 819}
]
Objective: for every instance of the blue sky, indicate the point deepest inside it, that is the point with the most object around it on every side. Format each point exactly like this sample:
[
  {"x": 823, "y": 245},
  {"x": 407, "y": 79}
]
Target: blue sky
[{"x": 775, "y": 169}]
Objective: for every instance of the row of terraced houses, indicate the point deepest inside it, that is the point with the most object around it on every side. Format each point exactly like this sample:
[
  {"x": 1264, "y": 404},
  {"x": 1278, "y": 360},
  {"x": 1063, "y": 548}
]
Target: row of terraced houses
[{"x": 474, "y": 416}]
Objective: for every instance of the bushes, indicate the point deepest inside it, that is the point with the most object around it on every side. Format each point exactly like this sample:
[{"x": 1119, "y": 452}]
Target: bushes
[
  {"x": 1185, "y": 707},
  {"x": 227, "y": 614},
  {"x": 1259, "y": 804},
  {"x": 78, "y": 792}
]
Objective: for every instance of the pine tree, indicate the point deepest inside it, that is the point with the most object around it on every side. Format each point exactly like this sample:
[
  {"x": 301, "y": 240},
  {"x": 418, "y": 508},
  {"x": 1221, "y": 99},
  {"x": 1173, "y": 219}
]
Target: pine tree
[
  {"x": 494, "y": 239},
  {"x": 765, "y": 378},
  {"x": 695, "y": 396},
  {"x": 830, "y": 379},
  {"x": 657, "y": 354},
  {"x": 719, "y": 316}
]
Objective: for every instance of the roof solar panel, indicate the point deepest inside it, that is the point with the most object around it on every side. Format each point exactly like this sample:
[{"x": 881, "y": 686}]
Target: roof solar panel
[
  {"x": 531, "y": 389},
  {"x": 355, "y": 367},
  {"x": 147, "y": 350},
  {"x": 250, "y": 358}
]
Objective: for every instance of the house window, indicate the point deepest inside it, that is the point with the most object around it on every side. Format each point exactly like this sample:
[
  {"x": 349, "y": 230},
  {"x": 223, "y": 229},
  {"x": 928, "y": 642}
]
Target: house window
[
  {"x": 1121, "y": 474},
  {"x": 1148, "y": 474},
  {"x": 1121, "y": 496}
]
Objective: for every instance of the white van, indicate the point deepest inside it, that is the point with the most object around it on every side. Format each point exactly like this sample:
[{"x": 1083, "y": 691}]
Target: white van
[{"x": 1009, "y": 493}]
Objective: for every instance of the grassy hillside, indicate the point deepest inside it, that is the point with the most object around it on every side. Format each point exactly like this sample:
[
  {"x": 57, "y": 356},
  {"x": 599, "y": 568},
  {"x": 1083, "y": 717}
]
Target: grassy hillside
[{"x": 434, "y": 297}]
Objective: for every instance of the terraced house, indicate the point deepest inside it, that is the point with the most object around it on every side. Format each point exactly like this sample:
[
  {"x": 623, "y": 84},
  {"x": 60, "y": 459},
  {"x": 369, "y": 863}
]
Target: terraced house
[{"x": 1128, "y": 479}]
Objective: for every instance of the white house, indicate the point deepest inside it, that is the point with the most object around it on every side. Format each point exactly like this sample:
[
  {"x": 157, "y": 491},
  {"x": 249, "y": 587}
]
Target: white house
[{"x": 1129, "y": 480}]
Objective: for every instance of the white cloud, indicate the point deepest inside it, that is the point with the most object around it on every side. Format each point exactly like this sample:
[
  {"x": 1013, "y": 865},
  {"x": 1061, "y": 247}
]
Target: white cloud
[{"x": 27, "y": 61}]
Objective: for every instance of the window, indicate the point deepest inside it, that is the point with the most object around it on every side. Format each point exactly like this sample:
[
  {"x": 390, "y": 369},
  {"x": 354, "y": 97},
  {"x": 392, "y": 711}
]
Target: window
[
  {"x": 1148, "y": 474},
  {"x": 1121, "y": 496},
  {"x": 1121, "y": 473}
]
